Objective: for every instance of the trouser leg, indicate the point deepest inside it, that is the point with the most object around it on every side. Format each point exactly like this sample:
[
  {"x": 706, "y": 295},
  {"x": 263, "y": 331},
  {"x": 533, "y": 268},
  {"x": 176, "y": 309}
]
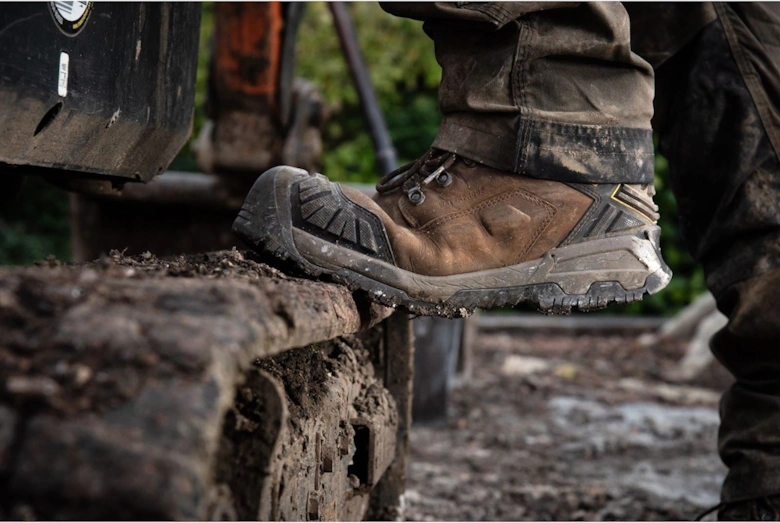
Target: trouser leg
[
  {"x": 717, "y": 117},
  {"x": 550, "y": 91}
]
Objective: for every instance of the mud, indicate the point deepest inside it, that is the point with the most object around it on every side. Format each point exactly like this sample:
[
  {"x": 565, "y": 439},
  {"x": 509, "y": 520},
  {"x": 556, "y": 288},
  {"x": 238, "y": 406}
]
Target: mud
[
  {"x": 117, "y": 378},
  {"x": 558, "y": 427},
  {"x": 290, "y": 446}
]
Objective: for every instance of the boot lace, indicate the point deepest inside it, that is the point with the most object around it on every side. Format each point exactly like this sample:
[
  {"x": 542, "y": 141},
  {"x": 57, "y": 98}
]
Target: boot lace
[{"x": 413, "y": 176}]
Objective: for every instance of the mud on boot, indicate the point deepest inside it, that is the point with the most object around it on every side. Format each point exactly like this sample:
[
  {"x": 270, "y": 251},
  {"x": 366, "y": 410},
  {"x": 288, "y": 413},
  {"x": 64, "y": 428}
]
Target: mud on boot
[{"x": 444, "y": 236}]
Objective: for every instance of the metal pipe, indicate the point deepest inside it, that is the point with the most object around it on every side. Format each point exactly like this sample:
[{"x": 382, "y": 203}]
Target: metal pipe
[
  {"x": 385, "y": 152},
  {"x": 293, "y": 14}
]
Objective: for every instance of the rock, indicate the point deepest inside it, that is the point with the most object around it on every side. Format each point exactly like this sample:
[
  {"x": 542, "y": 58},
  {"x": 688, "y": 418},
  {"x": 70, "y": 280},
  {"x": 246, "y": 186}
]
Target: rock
[{"x": 515, "y": 365}]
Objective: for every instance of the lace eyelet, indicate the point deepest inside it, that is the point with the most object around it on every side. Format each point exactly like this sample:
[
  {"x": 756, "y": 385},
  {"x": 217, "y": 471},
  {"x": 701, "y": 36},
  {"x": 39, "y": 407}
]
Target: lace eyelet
[
  {"x": 444, "y": 179},
  {"x": 469, "y": 163},
  {"x": 415, "y": 196}
]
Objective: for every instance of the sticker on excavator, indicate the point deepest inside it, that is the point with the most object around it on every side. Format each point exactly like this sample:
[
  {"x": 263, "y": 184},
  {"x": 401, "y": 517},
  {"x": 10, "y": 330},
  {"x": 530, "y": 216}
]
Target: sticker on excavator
[
  {"x": 62, "y": 78},
  {"x": 70, "y": 17}
]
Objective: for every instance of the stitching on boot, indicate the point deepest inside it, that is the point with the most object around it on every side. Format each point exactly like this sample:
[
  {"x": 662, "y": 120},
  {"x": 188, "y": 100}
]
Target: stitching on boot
[
  {"x": 542, "y": 227},
  {"x": 486, "y": 203},
  {"x": 550, "y": 212}
]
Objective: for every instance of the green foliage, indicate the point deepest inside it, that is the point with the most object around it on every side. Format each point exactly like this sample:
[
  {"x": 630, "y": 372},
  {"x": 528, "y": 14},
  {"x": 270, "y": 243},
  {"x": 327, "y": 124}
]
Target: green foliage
[
  {"x": 403, "y": 71},
  {"x": 35, "y": 225},
  {"x": 399, "y": 56}
]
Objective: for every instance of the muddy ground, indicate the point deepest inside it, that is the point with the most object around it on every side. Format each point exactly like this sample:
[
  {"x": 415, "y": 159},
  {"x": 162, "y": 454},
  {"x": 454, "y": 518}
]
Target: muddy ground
[
  {"x": 130, "y": 389},
  {"x": 567, "y": 427},
  {"x": 549, "y": 427}
]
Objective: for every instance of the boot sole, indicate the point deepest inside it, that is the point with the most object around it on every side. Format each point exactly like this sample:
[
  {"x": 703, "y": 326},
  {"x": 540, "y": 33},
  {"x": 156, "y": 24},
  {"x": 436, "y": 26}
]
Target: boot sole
[{"x": 585, "y": 276}]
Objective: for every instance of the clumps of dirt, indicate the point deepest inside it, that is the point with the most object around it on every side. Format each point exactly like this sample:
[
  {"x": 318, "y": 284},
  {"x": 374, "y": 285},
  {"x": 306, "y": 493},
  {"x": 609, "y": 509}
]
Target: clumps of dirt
[
  {"x": 303, "y": 373},
  {"x": 233, "y": 264},
  {"x": 329, "y": 390},
  {"x": 240, "y": 266}
]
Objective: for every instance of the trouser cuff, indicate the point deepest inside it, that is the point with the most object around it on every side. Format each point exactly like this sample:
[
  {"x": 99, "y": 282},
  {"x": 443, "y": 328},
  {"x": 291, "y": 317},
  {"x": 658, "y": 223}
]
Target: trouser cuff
[
  {"x": 550, "y": 150},
  {"x": 758, "y": 480}
]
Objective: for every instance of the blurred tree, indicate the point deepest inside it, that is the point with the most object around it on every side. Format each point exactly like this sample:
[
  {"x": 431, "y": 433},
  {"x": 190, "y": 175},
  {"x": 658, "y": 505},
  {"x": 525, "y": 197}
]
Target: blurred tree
[
  {"x": 34, "y": 225},
  {"x": 403, "y": 71}
]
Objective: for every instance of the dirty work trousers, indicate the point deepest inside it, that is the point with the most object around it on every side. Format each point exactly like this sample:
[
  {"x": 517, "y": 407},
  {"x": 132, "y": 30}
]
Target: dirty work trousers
[{"x": 565, "y": 91}]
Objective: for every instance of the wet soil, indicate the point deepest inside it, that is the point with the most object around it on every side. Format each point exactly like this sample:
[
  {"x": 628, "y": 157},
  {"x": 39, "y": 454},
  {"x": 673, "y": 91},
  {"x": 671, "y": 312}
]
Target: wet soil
[
  {"x": 117, "y": 375},
  {"x": 566, "y": 427}
]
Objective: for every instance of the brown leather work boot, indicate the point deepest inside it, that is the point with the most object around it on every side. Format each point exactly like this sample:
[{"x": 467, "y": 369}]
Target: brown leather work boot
[{"x": 444, "y": 236}]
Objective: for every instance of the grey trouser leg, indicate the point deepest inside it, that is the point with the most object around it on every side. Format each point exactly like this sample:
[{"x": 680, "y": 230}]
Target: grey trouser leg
[
  {"x": 549, "y": 90},
  {"x": 718, "y": 120}
]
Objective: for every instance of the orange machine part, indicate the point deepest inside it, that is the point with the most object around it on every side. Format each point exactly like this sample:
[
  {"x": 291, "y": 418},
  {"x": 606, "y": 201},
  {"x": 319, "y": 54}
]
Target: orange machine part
[{"x": 248, "y": 40}]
